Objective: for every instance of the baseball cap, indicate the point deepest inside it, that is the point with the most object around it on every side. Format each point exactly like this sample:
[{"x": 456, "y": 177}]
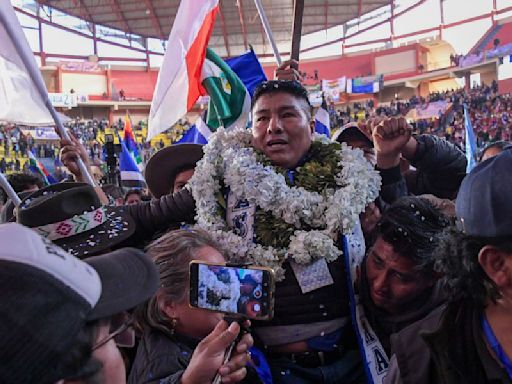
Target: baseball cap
[
  {"x": 483, "y": 204},
  {"x": 48, "y": 296},
  {"x": 344, "y": 133}
]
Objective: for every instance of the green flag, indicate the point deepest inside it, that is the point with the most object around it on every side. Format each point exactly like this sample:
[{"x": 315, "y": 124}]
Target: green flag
[{"x": 230, "y": 103}]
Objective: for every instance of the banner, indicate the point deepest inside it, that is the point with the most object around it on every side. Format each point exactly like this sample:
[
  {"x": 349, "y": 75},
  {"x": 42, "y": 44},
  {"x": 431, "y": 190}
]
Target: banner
[
  {"x": 64, "y": 100},
  {"x": 41, "y": 133},
  {"x": 470, "y": 60},
  {"x": 367, "y": 84},
  {"x": 333, "y": 88},
  {"x": 429, "y": 110},
  {"x": 501, "y": 51},
  {"x": 80, "y": 66}
]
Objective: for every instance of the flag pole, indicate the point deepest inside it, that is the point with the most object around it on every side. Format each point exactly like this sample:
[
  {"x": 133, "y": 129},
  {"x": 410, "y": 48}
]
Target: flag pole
[
  {"x": 268, "y": 31},
  {"x": 8, "y": 189},
  {"x": 27, "y": 57}
]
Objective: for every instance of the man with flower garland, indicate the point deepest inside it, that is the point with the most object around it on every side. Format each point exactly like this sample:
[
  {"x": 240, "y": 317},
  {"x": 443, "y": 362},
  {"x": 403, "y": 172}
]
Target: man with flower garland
[{"x": 284, "y": 198}]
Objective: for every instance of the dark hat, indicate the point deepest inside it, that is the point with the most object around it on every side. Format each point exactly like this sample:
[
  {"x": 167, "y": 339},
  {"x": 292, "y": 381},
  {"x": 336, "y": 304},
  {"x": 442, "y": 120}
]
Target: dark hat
[
  {"x": 72, "y": 216},
  {"x": 343, "y": 134},
  {"x": 48, "y": 296},
  {"x": 163, "y": 166},
  {"x": 483, "y": 204}
]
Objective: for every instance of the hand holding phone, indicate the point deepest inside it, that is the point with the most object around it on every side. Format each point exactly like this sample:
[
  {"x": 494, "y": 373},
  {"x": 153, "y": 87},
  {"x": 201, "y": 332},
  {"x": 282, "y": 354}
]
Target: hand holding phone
[{"x": 237, "y": 291}]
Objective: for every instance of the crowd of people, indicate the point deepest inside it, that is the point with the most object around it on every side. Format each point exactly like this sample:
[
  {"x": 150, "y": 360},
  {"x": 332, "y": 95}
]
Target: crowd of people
[{"x": 391, "y": 263}]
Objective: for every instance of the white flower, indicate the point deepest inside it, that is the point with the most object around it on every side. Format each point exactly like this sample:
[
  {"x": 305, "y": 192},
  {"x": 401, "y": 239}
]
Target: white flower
[{"x": 230, "y": 159}]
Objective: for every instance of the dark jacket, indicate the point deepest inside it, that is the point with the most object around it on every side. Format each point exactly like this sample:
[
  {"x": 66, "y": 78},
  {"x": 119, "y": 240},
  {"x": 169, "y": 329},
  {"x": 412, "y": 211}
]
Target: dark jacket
[
  {"x": 154, "y": 217},
  {"x": 161, "y": 357},
  {"x": 447, "y": 347},
  {"x": 385, "y": 324},
  {"x": 440, "y": 168}
]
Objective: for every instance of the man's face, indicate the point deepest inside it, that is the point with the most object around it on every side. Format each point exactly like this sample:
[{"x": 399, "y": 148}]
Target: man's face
[
  {"x": 282, "y": 128},
  {"x": 393, "y": 281},
  {"x": 181, "y": 179},
  {"x": 133, "y": 199}
]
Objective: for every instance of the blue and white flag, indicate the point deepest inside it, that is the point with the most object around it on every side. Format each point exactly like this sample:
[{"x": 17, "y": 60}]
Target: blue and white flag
[
  {"x": 248, "y": 69},
  {"x": 471, "y": 148},
  {"x": 196, "y": 134},
  {"x": 131, "y": 176},
  {"x": 322, "y": 120}
]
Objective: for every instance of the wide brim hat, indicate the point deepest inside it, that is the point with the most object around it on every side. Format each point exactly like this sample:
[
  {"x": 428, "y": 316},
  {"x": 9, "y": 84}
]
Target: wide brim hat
[
  {"x": 71, "y": 216},
  {"x": 163, "y": 166}
]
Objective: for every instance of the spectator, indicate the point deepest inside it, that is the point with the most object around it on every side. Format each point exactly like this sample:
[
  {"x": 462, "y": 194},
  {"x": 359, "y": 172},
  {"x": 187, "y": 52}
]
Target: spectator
[
  {"x": 22, "y": 182},
  {"x": 69, "y": 306},
  {"x": 172, "y": 329},
  {"x": 133, "y": 196},
  {"x": 468, "y": 341}
]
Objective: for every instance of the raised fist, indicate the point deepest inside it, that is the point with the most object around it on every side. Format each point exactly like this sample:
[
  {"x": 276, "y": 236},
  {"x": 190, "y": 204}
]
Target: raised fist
[{"x": 390, "y": 137}]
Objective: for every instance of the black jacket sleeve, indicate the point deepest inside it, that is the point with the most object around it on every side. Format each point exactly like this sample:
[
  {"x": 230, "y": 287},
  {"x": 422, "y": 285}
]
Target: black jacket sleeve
[
  {"x": 440, "y": 168},
  {"x": 158, "y": 215},
  {"x": 393, "y": 186}
]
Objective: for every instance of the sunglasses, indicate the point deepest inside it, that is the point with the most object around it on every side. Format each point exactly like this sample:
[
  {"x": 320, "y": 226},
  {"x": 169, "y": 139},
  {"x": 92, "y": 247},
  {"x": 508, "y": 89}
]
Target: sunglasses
[{"x": 121, "y": 330}]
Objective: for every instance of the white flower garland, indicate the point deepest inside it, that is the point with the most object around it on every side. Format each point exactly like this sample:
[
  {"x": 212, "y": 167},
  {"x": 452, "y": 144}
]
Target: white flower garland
[{"x": 229, "y": 157}]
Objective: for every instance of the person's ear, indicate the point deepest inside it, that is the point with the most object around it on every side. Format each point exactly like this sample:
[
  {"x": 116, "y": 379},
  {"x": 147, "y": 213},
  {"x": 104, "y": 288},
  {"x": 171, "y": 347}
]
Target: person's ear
[
  {"x": 493, "y": 262},
  {"x": 167, "y": 306}
]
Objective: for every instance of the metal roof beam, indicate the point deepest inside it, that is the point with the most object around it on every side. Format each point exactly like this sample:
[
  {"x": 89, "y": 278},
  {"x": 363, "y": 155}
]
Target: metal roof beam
[
  {"x": 224, "y": 31},
  {"x": 121, "y": 18},
  {"x": 242, "y": 22},
  {"x": 154, "y": 19}
]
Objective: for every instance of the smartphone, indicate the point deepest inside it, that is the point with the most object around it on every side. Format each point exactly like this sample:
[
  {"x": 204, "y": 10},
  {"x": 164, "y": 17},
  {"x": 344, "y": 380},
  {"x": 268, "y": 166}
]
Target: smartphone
[{"x": 237, "y": 291}]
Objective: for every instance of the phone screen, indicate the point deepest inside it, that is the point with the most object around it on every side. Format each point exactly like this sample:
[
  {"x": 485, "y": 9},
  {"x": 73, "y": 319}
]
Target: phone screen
[{"x": 233, "y": 290}]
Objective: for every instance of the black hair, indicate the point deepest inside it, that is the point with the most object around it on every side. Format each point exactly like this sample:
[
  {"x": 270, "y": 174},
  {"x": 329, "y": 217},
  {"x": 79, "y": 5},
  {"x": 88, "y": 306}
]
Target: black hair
[
  {"x": 291, "y": 87},
  {"x": 133, "y": 192},
  {"x": 78, "y": 363},
  {"x": 22, "y": 181},
  {"x": 501, "y": 145},
  {"x": 412, "y": 226},
  {"x": 463, "y": 276}
]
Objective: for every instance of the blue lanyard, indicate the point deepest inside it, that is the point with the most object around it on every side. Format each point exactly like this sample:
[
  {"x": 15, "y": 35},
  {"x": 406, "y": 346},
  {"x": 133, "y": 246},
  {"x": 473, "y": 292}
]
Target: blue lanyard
[{"x": 496, "y": 347}]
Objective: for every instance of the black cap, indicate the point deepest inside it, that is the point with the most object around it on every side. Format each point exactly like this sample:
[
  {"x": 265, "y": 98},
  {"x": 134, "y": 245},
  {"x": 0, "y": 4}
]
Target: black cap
[{"x": 483, "y": 204}]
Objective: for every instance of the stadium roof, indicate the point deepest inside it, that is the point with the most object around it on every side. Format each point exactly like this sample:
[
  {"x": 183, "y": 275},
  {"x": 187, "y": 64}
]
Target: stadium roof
[{"x": 238, "y": 24}]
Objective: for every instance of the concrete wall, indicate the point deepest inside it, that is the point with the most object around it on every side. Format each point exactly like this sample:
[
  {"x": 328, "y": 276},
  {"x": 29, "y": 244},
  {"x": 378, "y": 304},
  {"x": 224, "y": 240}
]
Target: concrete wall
[
  {"x": 396, "y": 62},
  {"x": 84, "y": 83}
]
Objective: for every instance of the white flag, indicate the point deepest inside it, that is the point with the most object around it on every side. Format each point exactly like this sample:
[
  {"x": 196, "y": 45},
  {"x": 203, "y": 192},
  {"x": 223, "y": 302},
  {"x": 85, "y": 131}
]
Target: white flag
[{"x": 20, "y": 98}]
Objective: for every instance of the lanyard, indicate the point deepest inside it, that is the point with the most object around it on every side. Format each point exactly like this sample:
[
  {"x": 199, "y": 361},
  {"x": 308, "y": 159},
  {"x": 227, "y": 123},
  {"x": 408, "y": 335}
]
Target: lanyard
[{"x": 496, "y": 347}]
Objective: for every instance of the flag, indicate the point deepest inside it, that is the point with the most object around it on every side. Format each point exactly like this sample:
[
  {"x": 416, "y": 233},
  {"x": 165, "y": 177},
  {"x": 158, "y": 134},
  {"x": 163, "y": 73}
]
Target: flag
[
  {"x": 230, "y": 102},
  {"x": 196, "y": 134},
  {"x": 21, "y": 98},
  {"x": 471, "y": 148},
  {"x": 322, "y": 120},
  {"x": 35, "y": 166},
  {"x": 248, "y": 68},
  {"x": 131, "y": 176},
  {"x": 129, "y": 141},
  {"x": 179, "y": 81}
]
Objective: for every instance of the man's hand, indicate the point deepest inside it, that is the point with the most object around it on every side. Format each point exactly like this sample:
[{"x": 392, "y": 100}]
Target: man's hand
[
  {"x": 209, "y": 355},
  {"x": 70, "y": 150},
  {"x": 390, "y": 137},
  {"x": 288, "y": 71}
]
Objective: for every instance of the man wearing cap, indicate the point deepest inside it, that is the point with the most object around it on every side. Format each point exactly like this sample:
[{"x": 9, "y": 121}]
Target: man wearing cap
[
  {"x": 61, "y": 317},
  {"x": 469, "y": 340}
]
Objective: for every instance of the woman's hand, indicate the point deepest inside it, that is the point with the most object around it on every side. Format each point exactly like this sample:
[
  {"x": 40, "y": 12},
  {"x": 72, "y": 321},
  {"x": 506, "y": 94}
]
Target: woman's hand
[{"x": 208, "y": 357}]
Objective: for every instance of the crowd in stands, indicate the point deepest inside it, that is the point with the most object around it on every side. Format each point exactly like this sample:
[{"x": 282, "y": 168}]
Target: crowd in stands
[{"x": 390, "y": 262}]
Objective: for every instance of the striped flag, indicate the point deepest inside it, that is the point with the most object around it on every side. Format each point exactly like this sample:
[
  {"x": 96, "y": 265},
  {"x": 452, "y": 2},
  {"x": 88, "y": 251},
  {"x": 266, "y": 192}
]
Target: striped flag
[
  {"x": 35, "y": 166},
  {"x": 179, "y": 80},
  {"x": 322, "y": 120},
  {"x": 131, "y": 144},
  {"x": 131, "y": 176},
  {"x": 230, "y": 102},
  {"x": 471, "y": 148},
  {"x": 199, "y": 133},
  {"x": 248, "y": 68}
]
